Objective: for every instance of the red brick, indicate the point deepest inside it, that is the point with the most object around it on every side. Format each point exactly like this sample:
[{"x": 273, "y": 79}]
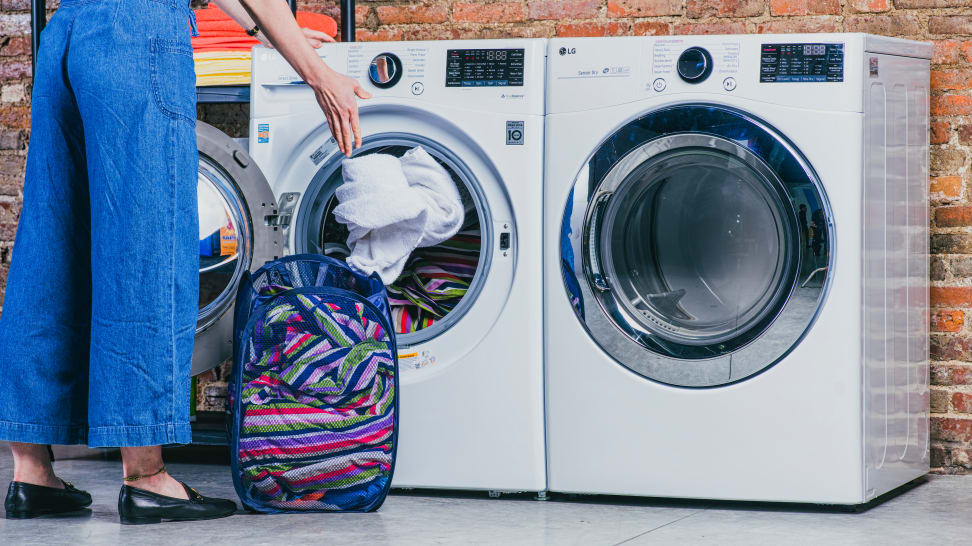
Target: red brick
[
  {"x": 14, "y": 70},
  {"x": 951, "y": 105},
  {"x": 951, "y": 296},
  {"x": 953, "y": 216},
  {"x": 563, "y": 9},
  {"x": 14, "y": 24},
  {"x": 940, "y": 131},
  {"x": 804, "y": 7},
  {"x": 15, "y": 5},
  {"x": 412, "y": 13},
  {"x": 945, "y": 188},
  {"x": 723, "y": 8},
  {"x": 381, "y": 35},
  {"x": 949, "y": 347},
  {"x": 15, "y": 117},
  {"x": 727, "y": 27},
  {"x": 947, "y": 320},
  {"x": 14, "y": 46},
  {"x": 905, "y": 4},
  {"x": 962, "y": 402},
  {"x": 488, "y": 12},
  {"x": 798, "y": 24},
  {"x": 952, "y": 429},
  {"x": 650, "y": 28},
  {"x": 592, "y": 29},
  {"x": 946, "y": 52},
  {"x": 897, "y": 24},
  {"x": 950, "y": 24},
  {"x": 643, "y": 8},
  {"x": 966, "y": 48},
  {"x": 448, "y": 32},
  {"x": 869, "y": 6},
  {"x": 360, "y": 17},
  {"x": 951, "y": 79}
]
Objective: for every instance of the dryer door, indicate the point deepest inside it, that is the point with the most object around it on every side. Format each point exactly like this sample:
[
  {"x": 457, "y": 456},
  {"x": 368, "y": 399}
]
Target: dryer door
[
  {"x": 696, "y": 246},
  {"x": 237, "y": 233}
]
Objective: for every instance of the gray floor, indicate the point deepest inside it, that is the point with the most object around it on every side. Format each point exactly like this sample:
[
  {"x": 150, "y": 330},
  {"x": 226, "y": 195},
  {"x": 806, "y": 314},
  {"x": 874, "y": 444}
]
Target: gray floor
[{"x": 930, "y": 513}]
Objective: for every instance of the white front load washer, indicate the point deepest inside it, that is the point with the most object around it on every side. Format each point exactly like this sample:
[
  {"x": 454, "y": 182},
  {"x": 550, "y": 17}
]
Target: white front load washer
[
  {"x": 736, "y": 266},
  {"x": 471, "y": 379}
]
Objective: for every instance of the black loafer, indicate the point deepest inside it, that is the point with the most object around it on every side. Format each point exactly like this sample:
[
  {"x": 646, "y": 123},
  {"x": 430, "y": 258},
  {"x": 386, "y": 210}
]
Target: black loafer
[
  {"x": 138, "y": 506},
  {"x": 25, "y": 500}
]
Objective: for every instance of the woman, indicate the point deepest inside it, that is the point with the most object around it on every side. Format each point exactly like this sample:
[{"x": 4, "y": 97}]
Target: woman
[{"x": 98, "y": 324}]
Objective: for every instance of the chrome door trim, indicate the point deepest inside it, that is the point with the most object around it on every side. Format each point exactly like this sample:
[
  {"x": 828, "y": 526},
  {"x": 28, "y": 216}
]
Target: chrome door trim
[
  {"x": 230, "y": 169},
  {"x": 644, "y": 352}
]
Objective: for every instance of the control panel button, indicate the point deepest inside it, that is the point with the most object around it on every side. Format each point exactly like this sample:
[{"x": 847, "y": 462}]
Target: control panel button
[
  {"x": 418, "y": 88},
  {"x": 694, "y": 65},
  {"x": 659, "y": 84},
  {"x": 385, "y": 70},
  {"x": 729, "y": 84}
]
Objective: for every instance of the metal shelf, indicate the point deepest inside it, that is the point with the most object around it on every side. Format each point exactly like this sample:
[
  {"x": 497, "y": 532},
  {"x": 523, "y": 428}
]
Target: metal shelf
[{"x": 223, "y": 93}]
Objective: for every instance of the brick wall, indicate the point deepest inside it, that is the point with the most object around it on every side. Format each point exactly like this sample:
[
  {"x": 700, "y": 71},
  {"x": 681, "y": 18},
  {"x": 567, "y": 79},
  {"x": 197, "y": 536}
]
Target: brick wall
[{"x": 946, "y": 22}]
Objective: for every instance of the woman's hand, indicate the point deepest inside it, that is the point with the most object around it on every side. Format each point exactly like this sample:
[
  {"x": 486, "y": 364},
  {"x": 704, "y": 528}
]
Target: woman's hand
[{"x": 338, "y": 97}]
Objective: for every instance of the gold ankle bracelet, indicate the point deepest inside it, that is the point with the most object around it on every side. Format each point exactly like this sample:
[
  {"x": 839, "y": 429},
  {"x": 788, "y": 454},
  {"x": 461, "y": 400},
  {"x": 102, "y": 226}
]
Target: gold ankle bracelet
[{"x": 137, "y": 477}]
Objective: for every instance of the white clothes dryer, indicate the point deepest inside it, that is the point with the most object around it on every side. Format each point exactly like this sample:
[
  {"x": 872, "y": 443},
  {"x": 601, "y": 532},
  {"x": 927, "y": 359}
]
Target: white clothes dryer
[
  {"x": 736, "y": 266},
  {"x": 471, "y": 378}
]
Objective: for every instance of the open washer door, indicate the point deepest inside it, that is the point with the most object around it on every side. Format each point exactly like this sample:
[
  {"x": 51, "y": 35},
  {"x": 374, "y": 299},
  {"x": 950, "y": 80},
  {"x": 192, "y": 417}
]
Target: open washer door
[
  {"x": 237, "y": 233},
  {"x": 696, "y": 246}
]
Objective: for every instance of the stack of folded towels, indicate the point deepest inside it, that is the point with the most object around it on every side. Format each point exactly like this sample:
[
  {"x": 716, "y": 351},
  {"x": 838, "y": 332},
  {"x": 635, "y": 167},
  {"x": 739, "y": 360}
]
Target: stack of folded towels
[{"x": 222, "y": 49}]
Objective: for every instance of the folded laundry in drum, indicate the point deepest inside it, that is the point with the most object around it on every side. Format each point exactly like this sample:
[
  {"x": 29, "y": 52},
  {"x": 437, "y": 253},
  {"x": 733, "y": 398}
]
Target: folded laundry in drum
[{"x": 392, "y": 206}]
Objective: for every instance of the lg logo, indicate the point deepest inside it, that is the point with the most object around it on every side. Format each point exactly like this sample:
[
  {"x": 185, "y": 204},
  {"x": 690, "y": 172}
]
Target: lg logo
[{"x": 568, "y": 50}]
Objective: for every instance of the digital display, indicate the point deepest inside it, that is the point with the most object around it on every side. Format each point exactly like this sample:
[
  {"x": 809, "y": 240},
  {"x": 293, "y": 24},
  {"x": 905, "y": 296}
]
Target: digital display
[
  {"x": 484, "y": 67},
  {"x": 801, "y": 63}
]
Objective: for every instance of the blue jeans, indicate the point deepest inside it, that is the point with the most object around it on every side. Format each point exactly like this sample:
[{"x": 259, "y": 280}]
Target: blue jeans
[{"x": 99, "y": 317}]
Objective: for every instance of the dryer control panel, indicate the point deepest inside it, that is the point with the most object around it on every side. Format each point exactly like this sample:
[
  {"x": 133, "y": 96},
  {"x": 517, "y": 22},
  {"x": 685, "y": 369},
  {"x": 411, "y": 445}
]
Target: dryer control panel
[{"x": 801, "y": 63}]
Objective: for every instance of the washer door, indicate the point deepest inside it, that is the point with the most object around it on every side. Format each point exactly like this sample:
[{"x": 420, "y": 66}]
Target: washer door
[
  {"x": 237, "y": 233},
  {"x": 703, "y": 238}
]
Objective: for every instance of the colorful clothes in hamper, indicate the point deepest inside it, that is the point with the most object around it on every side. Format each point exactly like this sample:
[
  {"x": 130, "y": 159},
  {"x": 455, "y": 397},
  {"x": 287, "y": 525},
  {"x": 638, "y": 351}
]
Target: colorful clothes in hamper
[
  {"x": 313, "y": 402},
  {"x": 435, "y": 279}
]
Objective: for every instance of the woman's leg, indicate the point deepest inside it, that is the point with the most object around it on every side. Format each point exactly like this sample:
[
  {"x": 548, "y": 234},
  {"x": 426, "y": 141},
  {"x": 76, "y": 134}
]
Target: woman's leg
[
  {"x": 32, "y": 464},
  {"x": 146, "y": 461}
]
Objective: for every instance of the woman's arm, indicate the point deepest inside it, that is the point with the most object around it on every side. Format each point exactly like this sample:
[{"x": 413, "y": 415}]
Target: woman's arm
[
  {"x": 336, "y": 93},
  {"x": 235, "y": 10}
]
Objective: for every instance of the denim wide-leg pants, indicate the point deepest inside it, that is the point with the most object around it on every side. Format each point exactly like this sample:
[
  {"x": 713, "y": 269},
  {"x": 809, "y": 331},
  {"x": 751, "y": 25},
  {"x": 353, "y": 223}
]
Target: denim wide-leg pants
[{"x": 99, "y": 317}]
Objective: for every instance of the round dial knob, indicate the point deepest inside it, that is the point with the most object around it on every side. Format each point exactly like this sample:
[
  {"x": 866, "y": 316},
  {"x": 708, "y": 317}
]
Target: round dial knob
[
  {"x": 385, "y": 70},
  {"x": 694, "y": 65}
]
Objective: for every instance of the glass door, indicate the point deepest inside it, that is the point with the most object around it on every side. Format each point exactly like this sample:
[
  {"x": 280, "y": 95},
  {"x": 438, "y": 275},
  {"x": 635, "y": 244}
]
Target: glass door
[{"x": 693, "y": 262}]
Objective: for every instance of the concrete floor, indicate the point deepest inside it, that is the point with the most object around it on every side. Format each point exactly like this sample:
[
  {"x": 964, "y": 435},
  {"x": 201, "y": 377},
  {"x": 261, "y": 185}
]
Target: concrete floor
[{"x": 931, "y": 512}]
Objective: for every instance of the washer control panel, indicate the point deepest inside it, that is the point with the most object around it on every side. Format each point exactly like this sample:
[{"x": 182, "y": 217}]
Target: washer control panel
[
  {"x": 484, "y": 67},
  {"x": 780, "y": 63}
]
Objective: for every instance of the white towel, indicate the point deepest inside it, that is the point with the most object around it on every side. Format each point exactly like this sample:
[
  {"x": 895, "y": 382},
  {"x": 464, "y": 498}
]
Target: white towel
[
  {"x": 385, "y": 217},
  {"x": 446, "y": 214}
]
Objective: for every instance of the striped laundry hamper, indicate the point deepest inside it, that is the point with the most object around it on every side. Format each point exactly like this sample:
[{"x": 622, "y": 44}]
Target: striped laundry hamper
[{"x": 313, "y": 397}]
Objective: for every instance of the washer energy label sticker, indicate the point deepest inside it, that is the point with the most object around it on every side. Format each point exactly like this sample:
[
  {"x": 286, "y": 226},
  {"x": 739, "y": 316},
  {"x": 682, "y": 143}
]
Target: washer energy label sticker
[
  {"x": 514, "y": 133},
  {"x": 263, "y": 133},
  {"x": 416, "y": 360}
]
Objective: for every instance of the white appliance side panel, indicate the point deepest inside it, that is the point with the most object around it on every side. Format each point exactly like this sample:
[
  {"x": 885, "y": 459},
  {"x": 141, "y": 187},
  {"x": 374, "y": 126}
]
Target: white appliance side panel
[
  {"x": 585, "y": 74},
  {"x": 895, "y": 311},
  {"x": 793, "y": 433}
]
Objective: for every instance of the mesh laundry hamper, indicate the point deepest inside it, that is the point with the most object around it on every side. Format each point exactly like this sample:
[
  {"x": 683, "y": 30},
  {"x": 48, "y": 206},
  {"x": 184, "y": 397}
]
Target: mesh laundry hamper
[{"x": 313, "y": 399}]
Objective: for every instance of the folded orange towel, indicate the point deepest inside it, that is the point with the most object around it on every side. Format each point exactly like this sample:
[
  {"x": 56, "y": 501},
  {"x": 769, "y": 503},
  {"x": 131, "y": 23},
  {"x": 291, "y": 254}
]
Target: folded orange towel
[{"x": 214, "y": 25}]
